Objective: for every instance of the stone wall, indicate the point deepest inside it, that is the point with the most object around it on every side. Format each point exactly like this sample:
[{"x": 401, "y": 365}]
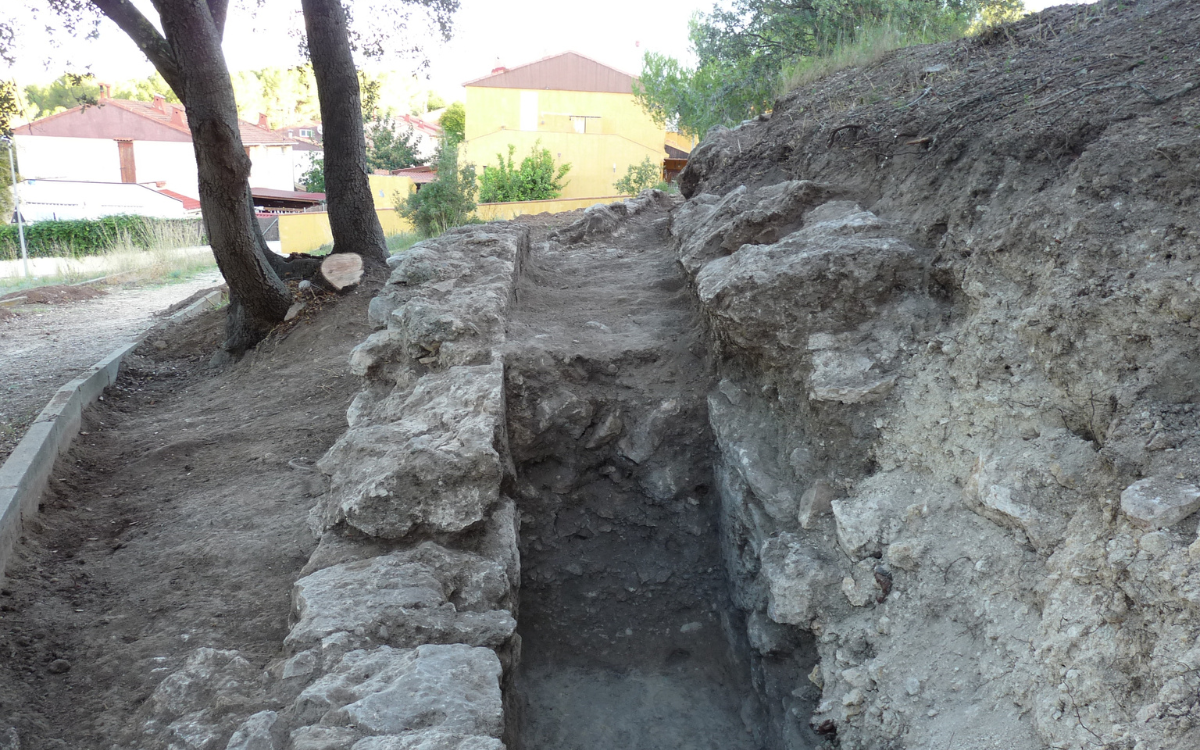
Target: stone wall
[{"x": 404, "y": 618}]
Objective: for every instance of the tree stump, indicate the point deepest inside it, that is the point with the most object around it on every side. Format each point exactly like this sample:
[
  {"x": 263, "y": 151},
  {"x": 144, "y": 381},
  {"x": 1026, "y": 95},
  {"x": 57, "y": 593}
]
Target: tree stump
[{"x": 341, "y": 271}]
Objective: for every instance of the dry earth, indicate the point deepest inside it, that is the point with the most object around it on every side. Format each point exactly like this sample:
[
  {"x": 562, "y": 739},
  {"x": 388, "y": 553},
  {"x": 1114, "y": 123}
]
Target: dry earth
[
  {"x": 61, "y": 331},
  {"x": 177, "y": 520}
]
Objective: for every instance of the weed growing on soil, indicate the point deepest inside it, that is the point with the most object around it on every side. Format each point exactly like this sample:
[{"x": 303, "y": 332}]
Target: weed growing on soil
[{"x": 867, "y": 49}]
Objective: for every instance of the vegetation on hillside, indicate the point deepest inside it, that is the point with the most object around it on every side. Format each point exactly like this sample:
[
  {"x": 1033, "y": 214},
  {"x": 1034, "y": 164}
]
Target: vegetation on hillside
[
  {"x": 748, "y": 51},
  {"x": 536, "y": 178}
]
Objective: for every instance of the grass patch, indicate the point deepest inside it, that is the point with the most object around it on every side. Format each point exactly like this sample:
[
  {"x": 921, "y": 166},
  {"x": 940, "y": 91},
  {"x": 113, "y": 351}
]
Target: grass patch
[
  {"x": 398, "y": 243},
  {"x": 870, "y": 46},
  {"x": 132, "y": 266}
]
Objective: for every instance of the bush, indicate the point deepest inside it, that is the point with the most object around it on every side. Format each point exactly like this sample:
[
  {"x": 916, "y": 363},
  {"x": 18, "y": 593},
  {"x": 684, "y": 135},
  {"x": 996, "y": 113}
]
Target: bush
[
  {"x": 444, "y": 203},
  {"x": 536, "y": 179},
  {"x": 313, "y": 179},
  {"x": 47, "y": 239},
  {"x": 639, "y": 177}
]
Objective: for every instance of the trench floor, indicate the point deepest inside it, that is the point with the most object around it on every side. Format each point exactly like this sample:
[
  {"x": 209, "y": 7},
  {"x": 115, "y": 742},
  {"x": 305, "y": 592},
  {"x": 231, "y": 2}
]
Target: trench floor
[{"x": 623, "y": 593}]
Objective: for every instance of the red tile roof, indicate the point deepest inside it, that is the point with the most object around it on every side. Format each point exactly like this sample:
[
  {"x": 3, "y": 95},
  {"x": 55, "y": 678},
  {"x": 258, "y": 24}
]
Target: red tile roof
[
  {"x": 171, "y": 116},
  {"x": 416, "y": 123},
  {"x": 189, "y": 204},
  {"x": 567, "y": 71}
]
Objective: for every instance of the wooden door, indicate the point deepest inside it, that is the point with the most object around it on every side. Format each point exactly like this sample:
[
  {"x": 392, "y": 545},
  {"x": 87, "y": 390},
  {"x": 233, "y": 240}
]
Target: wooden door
[{"x": 128, "y": 169}]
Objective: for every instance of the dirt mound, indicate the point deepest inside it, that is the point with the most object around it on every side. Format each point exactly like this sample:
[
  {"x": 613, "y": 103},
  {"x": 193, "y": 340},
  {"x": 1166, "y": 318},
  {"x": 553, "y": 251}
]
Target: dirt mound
[
  {"x": 1083, "y": 104},
  {"x": 56, "y": 295}
]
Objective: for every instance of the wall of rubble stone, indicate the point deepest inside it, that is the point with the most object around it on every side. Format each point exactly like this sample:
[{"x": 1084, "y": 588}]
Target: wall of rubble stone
[{"x": 404, "y": 618}]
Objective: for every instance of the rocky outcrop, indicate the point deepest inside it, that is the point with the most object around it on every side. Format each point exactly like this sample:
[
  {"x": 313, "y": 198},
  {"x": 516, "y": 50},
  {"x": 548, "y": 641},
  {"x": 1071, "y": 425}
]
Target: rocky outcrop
[{"x": 957, "y": 449}]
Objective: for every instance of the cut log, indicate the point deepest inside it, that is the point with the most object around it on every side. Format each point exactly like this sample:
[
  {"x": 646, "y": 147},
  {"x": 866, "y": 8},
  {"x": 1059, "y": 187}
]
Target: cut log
[{"x": 341, "y": 271}]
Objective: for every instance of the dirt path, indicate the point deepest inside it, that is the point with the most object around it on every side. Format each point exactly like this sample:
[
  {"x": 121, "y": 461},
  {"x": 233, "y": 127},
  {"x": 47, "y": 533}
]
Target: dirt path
[
  {"x": 42, "y": 346},
  {"x": 622, "y": 591},
  {"x": 177, "y": 521}
]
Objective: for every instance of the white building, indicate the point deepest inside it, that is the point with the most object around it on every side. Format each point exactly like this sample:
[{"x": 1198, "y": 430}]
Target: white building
[
  {"x": 43, "y": 200},
  {"x": 125, "y": 141}
]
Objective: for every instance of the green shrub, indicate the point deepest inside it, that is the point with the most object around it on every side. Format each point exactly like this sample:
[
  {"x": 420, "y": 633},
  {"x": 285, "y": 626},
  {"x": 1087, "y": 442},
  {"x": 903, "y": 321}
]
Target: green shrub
[
  {"x": 444, "y": 203},
  {"x": 536, "y": 179},
  {"x": 639, "y": 177},
  {"x": 47, "y": 239}
]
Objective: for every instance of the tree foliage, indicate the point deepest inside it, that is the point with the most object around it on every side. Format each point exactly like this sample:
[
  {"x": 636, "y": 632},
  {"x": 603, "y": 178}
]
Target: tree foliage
[
  {"x": 454, "y": 123},
  {"x": 389, "y": 146},
  {"x": 447, "y": 201},
  {"x": 744, "y": 46},
  {"x": 313, "y": 178},
  {"x": 537, "y": 178},
  {"x": 7, "y": 199}
]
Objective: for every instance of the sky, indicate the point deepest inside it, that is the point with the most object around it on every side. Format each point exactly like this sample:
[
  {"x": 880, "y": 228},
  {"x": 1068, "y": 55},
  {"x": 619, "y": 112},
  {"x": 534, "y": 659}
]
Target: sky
[{"x": 486, "y": 33}]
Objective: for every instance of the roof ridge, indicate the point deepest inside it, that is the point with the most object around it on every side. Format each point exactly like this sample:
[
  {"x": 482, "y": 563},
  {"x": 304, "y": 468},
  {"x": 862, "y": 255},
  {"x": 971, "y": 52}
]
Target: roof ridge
[{"x": 550, "y": 57}]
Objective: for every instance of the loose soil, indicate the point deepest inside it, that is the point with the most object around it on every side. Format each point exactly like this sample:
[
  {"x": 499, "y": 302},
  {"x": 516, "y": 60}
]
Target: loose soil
[
  {"x": 623, "y": 590},
  {"x": 177, "y": 520},
  {"x": 62, "y": 330}
]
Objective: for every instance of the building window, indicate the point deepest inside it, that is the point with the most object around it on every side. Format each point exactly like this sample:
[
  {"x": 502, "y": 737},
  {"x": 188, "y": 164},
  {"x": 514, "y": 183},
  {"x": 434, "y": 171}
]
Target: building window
[
  {"x": 305, "y": 133},
  {"x": 529, "y": 110},
  {"x": 580, "y": 124}
]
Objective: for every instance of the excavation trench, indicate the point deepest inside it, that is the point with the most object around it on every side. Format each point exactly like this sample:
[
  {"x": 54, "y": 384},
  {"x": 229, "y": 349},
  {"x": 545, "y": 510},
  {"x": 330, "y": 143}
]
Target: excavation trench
[{"x": 629, "y": 638}]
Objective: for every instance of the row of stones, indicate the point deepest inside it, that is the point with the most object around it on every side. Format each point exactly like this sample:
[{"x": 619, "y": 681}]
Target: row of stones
[{"x": 405, "y": 617}]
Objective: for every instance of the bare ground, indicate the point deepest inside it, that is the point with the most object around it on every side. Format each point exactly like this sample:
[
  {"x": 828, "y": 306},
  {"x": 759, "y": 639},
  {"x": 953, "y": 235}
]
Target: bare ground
[
  {"x": 178, "y": 520},
  {"x": 62, "y": 331}
]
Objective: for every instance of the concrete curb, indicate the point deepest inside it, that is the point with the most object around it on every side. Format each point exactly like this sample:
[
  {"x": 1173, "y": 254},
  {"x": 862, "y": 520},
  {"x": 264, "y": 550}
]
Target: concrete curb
[{"x": 26, "y": 472}]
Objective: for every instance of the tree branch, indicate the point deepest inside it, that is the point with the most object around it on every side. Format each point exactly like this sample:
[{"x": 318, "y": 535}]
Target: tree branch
[
  {"x": 219, "y": 9},
  {"x": 146, "y": 37}
]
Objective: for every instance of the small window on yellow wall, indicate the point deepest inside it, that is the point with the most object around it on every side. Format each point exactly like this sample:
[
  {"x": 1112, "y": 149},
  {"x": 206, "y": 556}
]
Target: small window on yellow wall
[
  {"x": 580, "y": 125},
  {"x": 529, "y": 110}
]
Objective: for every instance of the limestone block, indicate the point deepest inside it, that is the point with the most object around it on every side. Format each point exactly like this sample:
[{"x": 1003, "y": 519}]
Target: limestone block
[
  {"x": 748, "y": 440},
  {"x": 378, "y": 348},
  {"x": 847, "y": 377},
  {"x": 431, "y": 739},
  {"x": 609, "y": 428},
  {"x": 255, "y": 733},
  {"x": 641, "y": 441},
  {"x": 1036, "y": 485},
  {"x": 324, "y": 738},
  {"x": 437, "y": 467},
  {"x": 867, "y": 522},
  {"x": 712, "y": 229},
  {"x": 1158, "y": 502},
  {"x": 796, "y": 579},
  {"x": 768, "y": 297},
  {"x": 208, "y": 675},
  {"x": 387, "y": 691},
  {"x": 816, "y": 501},
  {"x": 427, "y": 594},
  {"x": 500, "y": 540}
]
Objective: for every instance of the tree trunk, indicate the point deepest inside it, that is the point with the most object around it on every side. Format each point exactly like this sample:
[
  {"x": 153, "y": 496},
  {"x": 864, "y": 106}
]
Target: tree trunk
[
  {"x": 258, "y": 298},
  {"x": 352, "y": 218}
]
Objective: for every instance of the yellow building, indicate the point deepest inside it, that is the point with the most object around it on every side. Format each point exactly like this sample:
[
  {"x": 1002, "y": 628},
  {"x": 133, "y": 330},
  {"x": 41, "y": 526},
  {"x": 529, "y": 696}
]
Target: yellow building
[{"x": 582, "y": 111}]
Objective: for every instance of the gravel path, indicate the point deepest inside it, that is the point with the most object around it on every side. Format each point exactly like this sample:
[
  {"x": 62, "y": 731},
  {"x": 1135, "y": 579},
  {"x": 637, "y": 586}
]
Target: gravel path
[{"x": 42, "y": 347}]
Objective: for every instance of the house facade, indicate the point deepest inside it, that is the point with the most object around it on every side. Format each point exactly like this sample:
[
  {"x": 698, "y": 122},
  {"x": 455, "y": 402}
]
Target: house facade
[
  {"x": 581, "y": 110},
  {"x": 124, "y": 141}
]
